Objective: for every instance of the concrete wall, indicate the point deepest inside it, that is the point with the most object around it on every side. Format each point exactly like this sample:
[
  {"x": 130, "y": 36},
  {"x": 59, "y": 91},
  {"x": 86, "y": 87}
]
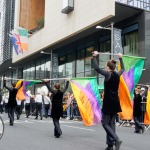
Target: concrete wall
[{"x": 59, "y": 27}]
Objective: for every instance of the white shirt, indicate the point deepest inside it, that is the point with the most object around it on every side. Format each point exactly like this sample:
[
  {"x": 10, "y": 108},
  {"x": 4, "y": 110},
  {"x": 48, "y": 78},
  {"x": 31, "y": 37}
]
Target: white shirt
[
  {"x": 27, "y": 101},
  {"x": 19, "y": 102},
  {"x": 38, "y": 98},
  {"x": 47, "y": 100}
]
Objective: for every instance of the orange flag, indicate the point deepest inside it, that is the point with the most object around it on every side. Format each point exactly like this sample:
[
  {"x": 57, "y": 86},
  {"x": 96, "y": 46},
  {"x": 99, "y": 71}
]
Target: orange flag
[
  {"x": 20, "y": 94},
  {"x": 147, "y": 113},
  {"x": 125, "y": 101}
]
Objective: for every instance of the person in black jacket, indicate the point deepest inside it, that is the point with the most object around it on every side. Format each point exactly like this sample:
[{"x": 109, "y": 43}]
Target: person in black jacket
[
  {"x": 12, "y": 103},
  {"x": 111, "y": 104},
  {"x": 57, "y": 105},
  {"x": 137, "y": 111}
]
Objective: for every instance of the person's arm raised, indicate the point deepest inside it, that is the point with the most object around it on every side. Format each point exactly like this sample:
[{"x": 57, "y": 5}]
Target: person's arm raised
[{"x": 121, "y": 64}]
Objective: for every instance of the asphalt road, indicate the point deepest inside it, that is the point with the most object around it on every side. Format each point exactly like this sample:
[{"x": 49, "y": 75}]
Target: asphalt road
[{"x": 31, "y": 134}]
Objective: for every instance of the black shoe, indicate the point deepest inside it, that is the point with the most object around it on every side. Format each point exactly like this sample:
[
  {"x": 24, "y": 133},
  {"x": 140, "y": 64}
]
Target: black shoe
[
  {"x": 58, "y": 135},
  {"x": 109, "y": 148},
  {"x": 36, "y": 118},
  {"x": 139, "y": 132},
  {"x": 118, "y": 144},
  {"x": 143, "y": 129},
  {"x": 11, "y": 124}
]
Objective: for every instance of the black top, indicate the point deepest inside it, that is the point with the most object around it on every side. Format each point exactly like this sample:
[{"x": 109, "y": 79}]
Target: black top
[
  {"x": 137, "y": 110},
  {"x": 12, "y": 95},
  {"x": 57, "y": 104},
  {"x": 111, "y": 103}
]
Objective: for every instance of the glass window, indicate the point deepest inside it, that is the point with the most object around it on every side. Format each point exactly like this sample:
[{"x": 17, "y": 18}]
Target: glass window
[
  {"x": 42, "y": 74},
  {"x": 28, "y": 72},
  {"x": 89, "y": 73},
  {"x": 32, "y": 71},
  {"x": 89, "y": 51},
  {"x": 24, "y": 72},
  {"x": 70, "y": 61},
  {"x": 104, "y": 48},
  {"x": 80, "y": 61},
  {"x": 80, "y": 74},
  {"x": 61, "y": 71},
  {"x": 131, "y": 43},
  {"x": 88, "y": 64},
  {"x": 47, "y": 69},
  {"x": 101, "y": 80},
  {"x": 38, "y": 69},
  {"x": 68, "y": 69},
  {"x": 61, "y": 60}
]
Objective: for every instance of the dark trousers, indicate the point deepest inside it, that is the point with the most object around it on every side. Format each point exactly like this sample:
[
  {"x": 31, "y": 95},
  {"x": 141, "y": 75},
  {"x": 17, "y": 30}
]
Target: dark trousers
[
  {"x": 138, "y": 125},
  {"x": 6, "y": 108},
  {"x": 27, "y": 109},
  {"x": 11, "y": 114},
  {"x": 108, "y": 123},
  {"x": 57, "y": 129},
  {"x": 18, "y": 111},
  {"x": 38, "y": 110},
  {"x": 1, "y": 108},
  {"x": 46, "y": 106}
]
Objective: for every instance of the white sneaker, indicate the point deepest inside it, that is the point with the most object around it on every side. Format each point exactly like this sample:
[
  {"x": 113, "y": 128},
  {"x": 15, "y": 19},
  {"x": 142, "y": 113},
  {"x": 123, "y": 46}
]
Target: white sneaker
[{"x": 68, "y": 118}]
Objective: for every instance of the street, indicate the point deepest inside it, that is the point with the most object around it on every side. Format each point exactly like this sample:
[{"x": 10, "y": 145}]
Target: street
[{"x": 31, "y": 134}]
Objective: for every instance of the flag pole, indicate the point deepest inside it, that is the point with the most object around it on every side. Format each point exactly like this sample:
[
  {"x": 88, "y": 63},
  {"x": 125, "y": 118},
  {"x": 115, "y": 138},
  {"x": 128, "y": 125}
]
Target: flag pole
[
  {"x": 108, "y": 54},
  {"x": 39, "y": 79}
]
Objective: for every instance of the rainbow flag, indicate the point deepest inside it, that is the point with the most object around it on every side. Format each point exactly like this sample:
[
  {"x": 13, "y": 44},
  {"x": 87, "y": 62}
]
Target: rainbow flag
[
  {"x": 147, "y": 113},
  {"x": 86, "y": 93},
  {"x": 23, "y": 38},
  {"x": 128, "y": 81},
  {"x": 21, "y": 94}
]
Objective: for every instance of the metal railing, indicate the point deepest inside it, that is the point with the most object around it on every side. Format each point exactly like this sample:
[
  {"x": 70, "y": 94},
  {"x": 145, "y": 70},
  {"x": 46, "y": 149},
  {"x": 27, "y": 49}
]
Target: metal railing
[{"x": 143, "y": 4}]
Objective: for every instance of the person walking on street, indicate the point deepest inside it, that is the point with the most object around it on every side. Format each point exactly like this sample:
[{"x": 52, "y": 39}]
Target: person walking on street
[
  {"x": 57, "y": 105},
  {"x": 137, "y": 111},
  {"x": 18, "y": 109},
  {"x": 12, "y": 103},
  {"x": 111, "y": 104},
  {"x": 38, "y": 101}
]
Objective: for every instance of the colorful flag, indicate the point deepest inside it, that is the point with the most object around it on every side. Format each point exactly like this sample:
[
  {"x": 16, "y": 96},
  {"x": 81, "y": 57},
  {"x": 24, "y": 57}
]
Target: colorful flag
[
  {"x": 86, "y": 93},
  {"x": 128, "y": 81},
  {"x": 147, "y": 113},
  {"x": 21, "y": 94},
  {"x": 15, "y": 40},
  {"x": 23, "y": 38}
]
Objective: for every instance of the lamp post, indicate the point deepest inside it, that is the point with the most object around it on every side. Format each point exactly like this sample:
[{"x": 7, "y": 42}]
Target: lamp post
[
  {"x": 111, "y": 28},
  {"x": 46, "y": 53}
]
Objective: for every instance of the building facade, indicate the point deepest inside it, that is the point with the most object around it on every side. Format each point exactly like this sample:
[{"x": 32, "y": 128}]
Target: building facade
[{"x": 70, "y": 38}]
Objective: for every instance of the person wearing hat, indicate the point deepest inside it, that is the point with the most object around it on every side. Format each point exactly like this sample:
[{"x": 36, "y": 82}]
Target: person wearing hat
[
  {"x": 137, "y": 111},
  {"x": 12, "y": 103}
]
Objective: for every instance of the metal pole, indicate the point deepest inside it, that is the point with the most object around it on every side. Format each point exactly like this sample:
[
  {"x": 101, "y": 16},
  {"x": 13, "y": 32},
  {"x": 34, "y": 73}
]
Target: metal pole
[
  {"x": 51, "y": 67},
  {"x": 112, "y": 54},
  {"x": 112, "y": 39}
]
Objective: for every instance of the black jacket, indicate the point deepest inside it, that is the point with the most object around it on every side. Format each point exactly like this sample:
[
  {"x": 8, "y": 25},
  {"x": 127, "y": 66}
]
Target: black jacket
[
  {"x": 12, "y": 95},
  {"x": 137, "y": 110},
  {"x": 57, "y": 104}
]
